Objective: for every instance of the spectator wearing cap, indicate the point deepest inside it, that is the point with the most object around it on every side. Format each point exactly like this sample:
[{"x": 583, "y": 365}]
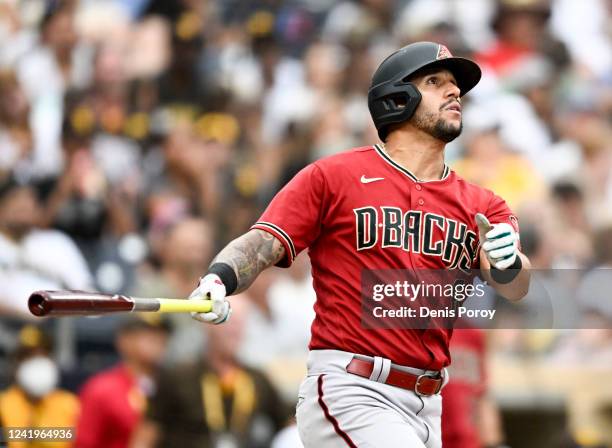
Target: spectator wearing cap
[
  {"x": 33, "y": 399},
  {"x": 520, "y": 30},
  {"x": 114, "y": 400}
]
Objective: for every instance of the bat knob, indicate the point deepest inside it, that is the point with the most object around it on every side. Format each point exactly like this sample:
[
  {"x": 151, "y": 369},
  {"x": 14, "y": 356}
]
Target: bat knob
[{"x": 37, "y": 303}]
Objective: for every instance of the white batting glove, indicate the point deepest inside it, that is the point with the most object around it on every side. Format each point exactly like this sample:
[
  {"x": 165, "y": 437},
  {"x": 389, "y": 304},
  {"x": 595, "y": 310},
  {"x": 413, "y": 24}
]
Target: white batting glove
[
  {"x": 211, "y": 287},
  {"x": 499, "y": 242}
]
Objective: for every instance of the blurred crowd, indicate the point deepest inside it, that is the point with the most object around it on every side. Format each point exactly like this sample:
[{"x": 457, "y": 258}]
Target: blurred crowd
[{"x": 138, "y": 137}]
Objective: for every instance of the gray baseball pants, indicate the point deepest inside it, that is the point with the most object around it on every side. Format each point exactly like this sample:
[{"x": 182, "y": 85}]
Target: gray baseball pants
[{"x": 338, "y": 409}]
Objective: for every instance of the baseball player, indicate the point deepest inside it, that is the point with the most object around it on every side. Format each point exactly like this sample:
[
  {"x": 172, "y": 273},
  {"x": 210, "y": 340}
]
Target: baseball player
[{"x": 388, "y": 206}]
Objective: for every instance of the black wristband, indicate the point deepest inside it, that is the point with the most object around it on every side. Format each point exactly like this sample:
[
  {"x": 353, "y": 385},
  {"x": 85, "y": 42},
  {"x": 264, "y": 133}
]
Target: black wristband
[
  {"x": 508, "y": 274},
  {"x": 227, "y": 276}
]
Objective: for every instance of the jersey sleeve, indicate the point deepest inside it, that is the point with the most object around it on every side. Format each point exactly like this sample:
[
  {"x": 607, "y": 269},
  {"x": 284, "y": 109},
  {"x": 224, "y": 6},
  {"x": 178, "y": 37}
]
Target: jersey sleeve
[
  {"x": 294, "y": 216},
  {"x": 498, "y": 212}
]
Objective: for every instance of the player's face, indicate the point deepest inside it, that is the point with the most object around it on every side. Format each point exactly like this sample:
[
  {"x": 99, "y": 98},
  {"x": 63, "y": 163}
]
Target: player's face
[{"x": 439, "y": 112}]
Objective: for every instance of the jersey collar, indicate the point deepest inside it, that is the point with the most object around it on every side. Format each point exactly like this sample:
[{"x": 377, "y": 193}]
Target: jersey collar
[{"x": 382, "y": 153}]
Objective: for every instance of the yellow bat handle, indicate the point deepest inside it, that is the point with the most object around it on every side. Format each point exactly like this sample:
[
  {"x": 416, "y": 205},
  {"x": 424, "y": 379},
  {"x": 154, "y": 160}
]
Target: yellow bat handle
[{"x": 184, "y": 306}]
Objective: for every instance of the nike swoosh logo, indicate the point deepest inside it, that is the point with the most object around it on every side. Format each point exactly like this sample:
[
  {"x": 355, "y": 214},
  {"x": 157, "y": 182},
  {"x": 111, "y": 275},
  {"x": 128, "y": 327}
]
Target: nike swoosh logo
[{"x": 367, "y": 180}]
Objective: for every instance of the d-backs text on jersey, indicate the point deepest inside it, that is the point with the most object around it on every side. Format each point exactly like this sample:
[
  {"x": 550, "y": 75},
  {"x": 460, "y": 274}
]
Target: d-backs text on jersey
[{"x": 417, "y": 232}]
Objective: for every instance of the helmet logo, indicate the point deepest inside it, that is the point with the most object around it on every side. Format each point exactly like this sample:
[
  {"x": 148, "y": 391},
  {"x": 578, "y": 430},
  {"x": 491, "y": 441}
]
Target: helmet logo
[{"x": 443, "y": 53}]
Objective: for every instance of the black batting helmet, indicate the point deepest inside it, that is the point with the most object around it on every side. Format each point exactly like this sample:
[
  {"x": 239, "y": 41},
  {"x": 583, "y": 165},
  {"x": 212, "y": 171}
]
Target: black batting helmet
[{"x": 392, "y": 99}]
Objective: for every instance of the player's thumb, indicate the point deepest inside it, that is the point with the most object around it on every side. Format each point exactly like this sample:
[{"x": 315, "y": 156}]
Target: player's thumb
[
  {"x": 217, "y": 295},
  {"x": 483, "y": 225}
]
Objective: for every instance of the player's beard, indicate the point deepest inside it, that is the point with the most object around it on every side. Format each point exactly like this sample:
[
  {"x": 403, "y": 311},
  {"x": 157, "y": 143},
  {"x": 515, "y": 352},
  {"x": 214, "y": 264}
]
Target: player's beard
[{"x": 437, "y": 127}]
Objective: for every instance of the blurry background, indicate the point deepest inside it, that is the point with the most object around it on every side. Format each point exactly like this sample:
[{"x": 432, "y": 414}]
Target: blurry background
[{"x": 138, "y": 137}]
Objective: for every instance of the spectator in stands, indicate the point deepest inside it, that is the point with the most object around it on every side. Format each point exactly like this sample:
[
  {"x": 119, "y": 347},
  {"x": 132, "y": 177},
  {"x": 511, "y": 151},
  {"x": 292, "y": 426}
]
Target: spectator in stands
[
  {"x": 572, "y": 245},
  {"x": 29, "y": 255},
  {"x": 15, "y": 135},
  {"x": 277, "y": 326},
  {"x": 33, "y": 400},
  {"x": 114, "y": 400},
  {"x": 489, "y": 162},
  {"x": 521, "y": 33},
  {"x": 62, "y": 60},
  {"x": 214, "y": 402},
  {"x": 183, "y": 251}
]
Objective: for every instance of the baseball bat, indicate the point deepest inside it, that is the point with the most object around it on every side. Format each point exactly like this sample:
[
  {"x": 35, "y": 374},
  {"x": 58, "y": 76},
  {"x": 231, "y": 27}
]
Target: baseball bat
[{"x": 81, "y": 303}]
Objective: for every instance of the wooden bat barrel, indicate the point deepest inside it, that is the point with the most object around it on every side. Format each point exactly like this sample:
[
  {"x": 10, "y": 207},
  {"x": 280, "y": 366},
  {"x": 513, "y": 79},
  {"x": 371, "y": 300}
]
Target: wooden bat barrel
[{"x": 74, "y": 303}]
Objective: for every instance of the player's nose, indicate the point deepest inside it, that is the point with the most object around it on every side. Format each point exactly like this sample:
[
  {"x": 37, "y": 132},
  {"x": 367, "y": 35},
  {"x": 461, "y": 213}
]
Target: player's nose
[{"x": 452, "y": 90}]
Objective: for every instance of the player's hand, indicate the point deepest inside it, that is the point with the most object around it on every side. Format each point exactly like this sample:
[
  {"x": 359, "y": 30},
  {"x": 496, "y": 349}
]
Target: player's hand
[
  {"x": 212, "y": 288},
  {"x": 498, "y": 241}
]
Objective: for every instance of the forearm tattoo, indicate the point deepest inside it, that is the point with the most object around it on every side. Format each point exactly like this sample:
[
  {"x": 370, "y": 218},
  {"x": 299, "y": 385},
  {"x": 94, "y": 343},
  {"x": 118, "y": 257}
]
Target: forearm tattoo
[{"x": 250, "y": 254}]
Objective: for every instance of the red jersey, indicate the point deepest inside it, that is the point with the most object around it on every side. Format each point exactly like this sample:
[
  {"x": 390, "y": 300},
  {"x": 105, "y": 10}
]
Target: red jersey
[
  {"x": 361, "y": 210},
  {"x": 468, "y": 383},
  {"x": 111, "y": 407}
]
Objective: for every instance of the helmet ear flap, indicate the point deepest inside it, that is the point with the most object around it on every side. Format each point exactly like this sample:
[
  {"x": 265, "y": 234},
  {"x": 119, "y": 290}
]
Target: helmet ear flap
[
  {"x": 412, "y": 100},
  {"x": 393, "y": 104}
]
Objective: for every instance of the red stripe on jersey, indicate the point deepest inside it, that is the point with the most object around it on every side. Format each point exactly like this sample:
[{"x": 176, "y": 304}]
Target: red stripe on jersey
[
  {"x": 283, "y": 237},
  {"x": 330, "y": 417}
]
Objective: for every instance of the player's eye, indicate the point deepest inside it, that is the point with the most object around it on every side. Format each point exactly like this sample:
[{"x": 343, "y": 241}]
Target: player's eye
[{"x": 433, "y": 80}]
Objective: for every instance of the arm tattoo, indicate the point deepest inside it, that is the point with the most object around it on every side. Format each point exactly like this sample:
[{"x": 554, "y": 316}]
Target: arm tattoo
[{"x": 250, "y": 254}]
